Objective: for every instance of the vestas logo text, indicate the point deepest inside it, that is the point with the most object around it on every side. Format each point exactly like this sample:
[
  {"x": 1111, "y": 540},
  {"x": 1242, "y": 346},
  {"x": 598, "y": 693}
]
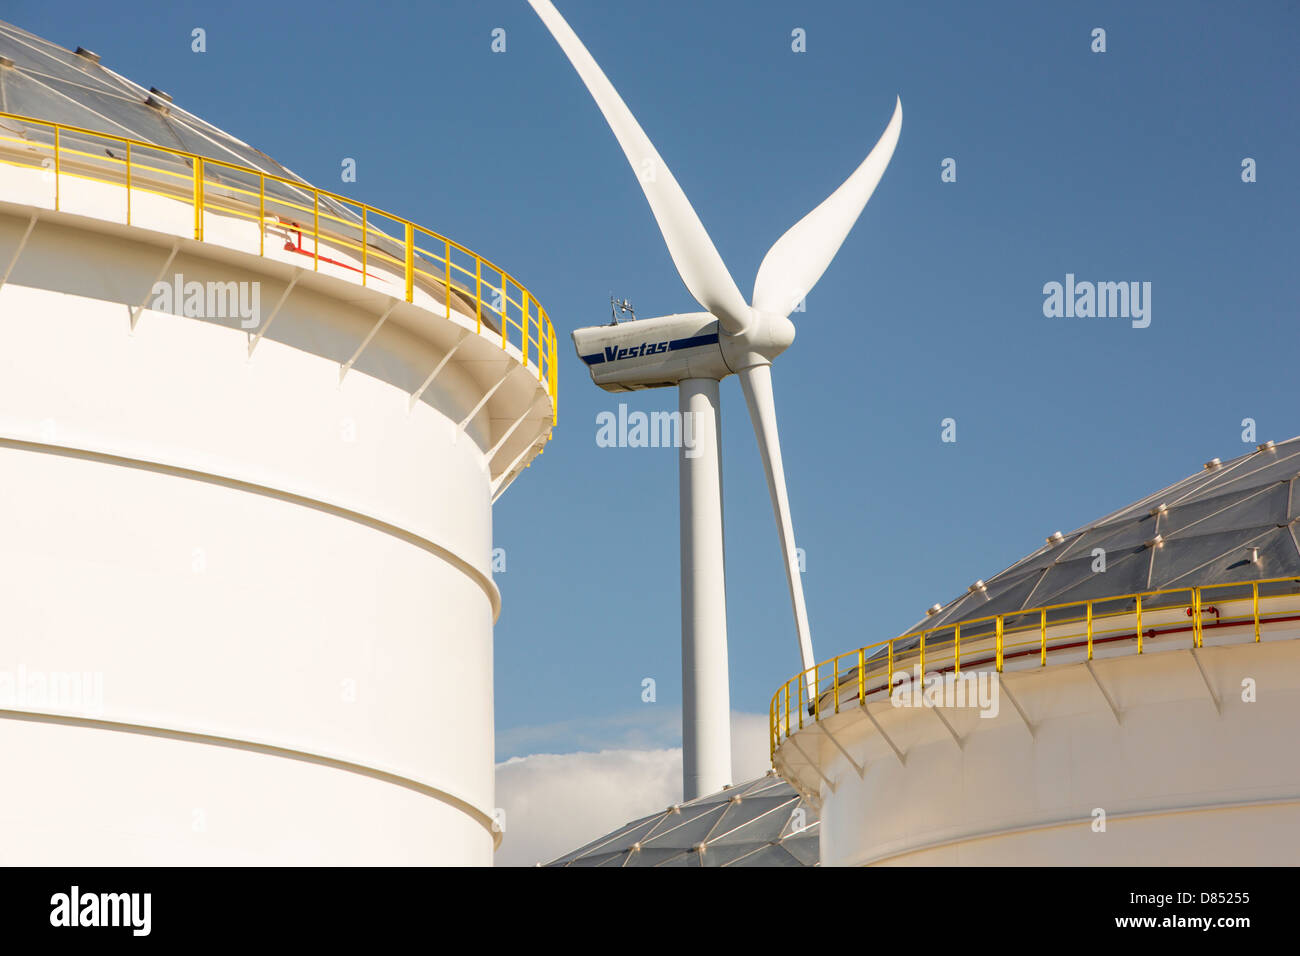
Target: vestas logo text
[{"x": 613, "y": 354}]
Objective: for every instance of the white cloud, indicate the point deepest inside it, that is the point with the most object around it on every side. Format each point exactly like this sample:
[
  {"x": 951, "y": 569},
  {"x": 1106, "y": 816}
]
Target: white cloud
[
  {"x": 641, "y": 728},
  {"x": 556, "y": 803},
  {"x": 750, "y": 752}
]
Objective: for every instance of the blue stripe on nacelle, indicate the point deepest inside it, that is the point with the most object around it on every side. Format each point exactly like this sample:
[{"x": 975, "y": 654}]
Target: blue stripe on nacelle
[{"x": 598, "y": 358}]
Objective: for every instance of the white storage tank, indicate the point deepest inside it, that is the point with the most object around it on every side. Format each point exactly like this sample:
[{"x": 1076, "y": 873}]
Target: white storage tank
[
  {"x": 250, "y": 437},
  {"x": 1128, "y": 694}
]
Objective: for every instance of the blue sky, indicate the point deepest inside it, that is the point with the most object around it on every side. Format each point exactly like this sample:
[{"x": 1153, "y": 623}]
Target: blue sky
[{"x": 1122, "y": 166}]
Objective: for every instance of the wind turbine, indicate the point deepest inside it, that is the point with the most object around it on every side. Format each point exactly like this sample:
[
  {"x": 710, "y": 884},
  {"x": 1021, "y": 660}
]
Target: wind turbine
[{"x": 695, "y": 351}]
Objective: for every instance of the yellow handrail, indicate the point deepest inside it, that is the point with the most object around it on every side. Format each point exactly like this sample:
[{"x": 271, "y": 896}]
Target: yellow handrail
[
  {"x": 192, "y": 186},
  {"x": 996, "y": 646}
]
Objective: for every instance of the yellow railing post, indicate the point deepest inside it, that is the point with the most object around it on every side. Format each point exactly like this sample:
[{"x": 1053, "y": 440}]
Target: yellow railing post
[
  {"x": 447, "y": 277},
  {"x": 835, "y": 676},
  {"x": 1089, "y": 630},
  {"x": 365, "y": 243},
  {"x": 524, "y": 346},
  {"x": 57, "y": 158},
  {"x": 478, "y": 294},
  {"x": 771, "y": 727},
  {"x": 505, "y": 309},
  {"x": 787, "y": 708},
  {"x": 862, "y": 678},
  {"x": 1196, "y": 617},
  {"x": 922, "y": 660},
  {"x": 800, "y": 678},
  {"x": 128, "y": 182},
  {"x": 410, "y": 263},
  {"x": 817, "y": 692},
  {"x": 555, "y": 395},
  {"x": 1138, "y": 613},
  {"x": 543, "y": 357},
  {"x": 198, "y": 198},
  {"x": 1042, "y": 630},
  {"x": 998, "y": 642},
  {"x": 261, "y": 219},
  {"x": 956, "y": 640},
  {"x": 889, "y": 679},
  {"x": 315, "y": 228},
  {"x": 1254, "y": 602}
]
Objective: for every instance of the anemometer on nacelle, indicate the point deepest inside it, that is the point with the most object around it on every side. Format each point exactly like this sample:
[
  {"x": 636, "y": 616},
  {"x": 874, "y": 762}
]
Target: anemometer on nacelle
[{"x": 617, "y": 307}]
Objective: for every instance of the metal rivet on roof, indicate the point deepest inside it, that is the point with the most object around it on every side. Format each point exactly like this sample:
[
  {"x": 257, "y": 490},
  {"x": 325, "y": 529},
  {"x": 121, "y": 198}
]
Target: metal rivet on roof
[
  {"x": 736, "y": 798},
  {"x": 1160, "y": 509},
  {"x": 933, "y": 609},
  {"x": 5, "y": 61},
  {"x": 698, "y": 848},
  {"x": 1267, "y": 446},
  {"x": 1253, "y": 554},
  {"x": 978, "y": 586},
  {"x": 1157, "y": 542},
  {"x": 1055, "y": 538},
  {"x": 1212, "y": 464},
  {"x": 90, "y": 55},
  {"x": 635, "y": 847}
]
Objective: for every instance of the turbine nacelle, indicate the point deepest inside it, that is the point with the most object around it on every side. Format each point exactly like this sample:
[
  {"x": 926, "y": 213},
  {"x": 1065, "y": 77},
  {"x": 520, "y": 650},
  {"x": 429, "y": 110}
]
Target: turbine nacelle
[{"x": 668, "y": 349}]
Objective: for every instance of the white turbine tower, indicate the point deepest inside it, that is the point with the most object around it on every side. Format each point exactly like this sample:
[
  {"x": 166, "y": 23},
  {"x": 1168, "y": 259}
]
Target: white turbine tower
[{"x": 694, "y": 352}]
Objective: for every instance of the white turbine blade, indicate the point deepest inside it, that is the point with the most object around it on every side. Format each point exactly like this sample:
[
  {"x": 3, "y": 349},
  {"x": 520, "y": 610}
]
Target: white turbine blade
[
  {"x": 794, "y": 264},
  {"x": 693, "y": 252},
  {"x": 757, "y": 383}
]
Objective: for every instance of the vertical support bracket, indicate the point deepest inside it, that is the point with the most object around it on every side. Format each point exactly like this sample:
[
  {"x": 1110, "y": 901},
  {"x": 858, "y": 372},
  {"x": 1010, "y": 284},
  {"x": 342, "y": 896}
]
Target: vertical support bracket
[
  {"x": 1109, "y": 703},
  {"x": 1004, "y": 688},
  {"x": 486, "y": 395},
  {"x": 460, "y": 338},
  {"x": 135, "y": 314},
  {"x": 22, "y": 244},
  {"x": 1196, "y": 658},
  {"x": 860, "y": 771},
  {"x": 816, "y": 769},
  {"x": 284, "y": 297},
  {"x": 346, "y": 366},
  {"x": 505, "y": 436},
  {"x": 902, "y": 760},
  {"x": 947, "y": 726}
]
